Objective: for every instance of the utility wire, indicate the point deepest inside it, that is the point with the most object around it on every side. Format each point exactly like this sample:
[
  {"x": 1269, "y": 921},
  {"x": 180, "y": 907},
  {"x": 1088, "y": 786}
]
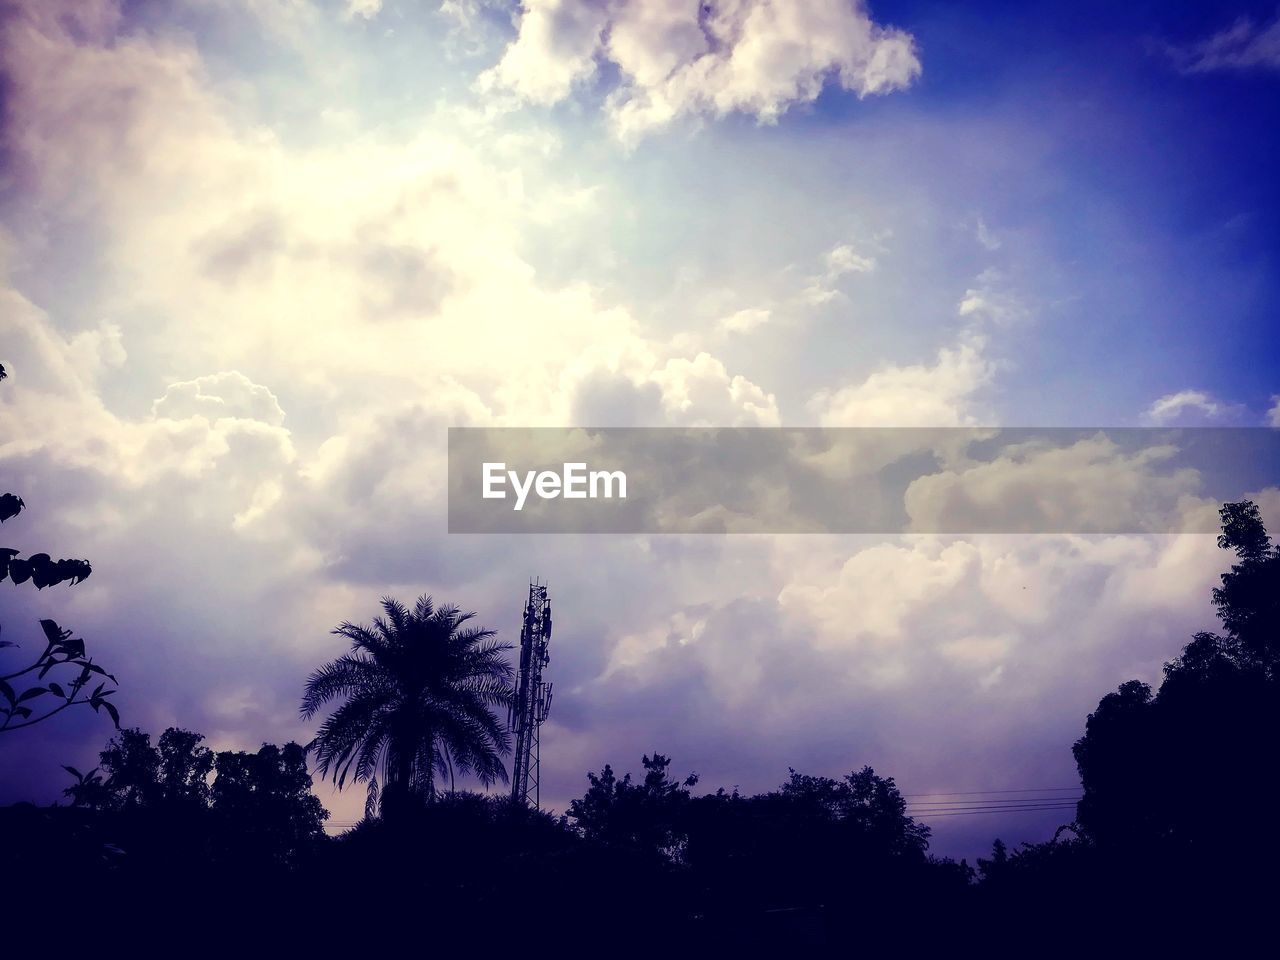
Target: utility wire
[
  {"x": 970, "y": 813},
  {"x": 973, "y": 793}
]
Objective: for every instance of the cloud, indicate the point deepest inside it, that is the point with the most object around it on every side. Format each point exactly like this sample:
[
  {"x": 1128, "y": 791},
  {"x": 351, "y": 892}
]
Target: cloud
[
  {"x": 991, "y": 302},
  {"x": 1187, "y": 406},
  {"x": 1090, "y": 485},
  {"x": 744, "y": 321},
  {"x": 1245, "y": 45},
  {"x": 986, "y": 238},
  {"x": 367, "y": 9},
  {"x": 380, "y": 280},
  {"x": 1273, "y": 415},
  {"x": 555, "y": 49},
  {"x": 639, "y": 390},
  {"x": 218, "y": 396},
  {"x": 840, "y": 260},
  {"x": 675, "y": 59},
  {"x": 914, "y": 395}
]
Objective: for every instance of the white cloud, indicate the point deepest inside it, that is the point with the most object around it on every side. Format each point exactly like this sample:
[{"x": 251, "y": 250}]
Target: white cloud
[
  {"x": 744, "y": 321},
  {"x": 1244, "y": 45},
  {"x": 366, "y": 9},
  {"x": 218, "y": 396},
  {"x": 1174, "y": 406},
  {"x": 840, "y": 260},
  {"x": 555, "y": 50},
  {"x": 915, "y": 395},
  {"x": 1273, "y": 415},
  {"x": 701, "y": 392},
  {"x": 758, "y": 57},
  {"x": 986, "y": 238},
  {"x": 991, "y": 301},
  {"x": 843, "y": 259},
  {"x": 97, "y": 350}
]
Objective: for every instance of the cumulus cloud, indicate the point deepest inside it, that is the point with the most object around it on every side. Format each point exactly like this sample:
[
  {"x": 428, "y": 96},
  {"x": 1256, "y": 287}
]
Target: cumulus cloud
[
  {"x": 676, "y": 59},
  {"x": 1273, "y": 415},
  {"x": 635, "y": 388},
  {"x": 1245, "y": 45},
  {"x": 1090, "y": 485},
  {"x": 219, "y": 395},
  {"x": 940, "y": 394}
]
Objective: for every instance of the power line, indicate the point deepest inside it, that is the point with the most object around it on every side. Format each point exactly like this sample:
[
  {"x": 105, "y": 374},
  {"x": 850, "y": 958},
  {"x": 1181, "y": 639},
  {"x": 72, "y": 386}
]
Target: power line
[
  {"x": 929, "y": 804},
  {"x": 930, "y": 815},
  {"x": 974, "y": 793},
  {"x": 1011, "y": 806}
]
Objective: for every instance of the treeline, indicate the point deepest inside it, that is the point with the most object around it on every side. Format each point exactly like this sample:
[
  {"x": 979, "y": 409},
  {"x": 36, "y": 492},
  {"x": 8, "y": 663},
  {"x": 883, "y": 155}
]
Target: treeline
[{"x": 1173, "y": 832}]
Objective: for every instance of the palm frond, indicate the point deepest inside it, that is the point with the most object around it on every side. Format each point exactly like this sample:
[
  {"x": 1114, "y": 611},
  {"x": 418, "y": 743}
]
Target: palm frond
[{"x": 340, "y": 677}]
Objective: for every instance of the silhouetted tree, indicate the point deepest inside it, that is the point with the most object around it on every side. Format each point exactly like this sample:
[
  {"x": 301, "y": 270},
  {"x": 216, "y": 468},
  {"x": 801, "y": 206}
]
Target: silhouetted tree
[
  {"x": 416, "y": 695},
  {"x": 264, "y": 802},
  {"x": 646, "y": 816},
  {"x": 1166, "y": 775}
]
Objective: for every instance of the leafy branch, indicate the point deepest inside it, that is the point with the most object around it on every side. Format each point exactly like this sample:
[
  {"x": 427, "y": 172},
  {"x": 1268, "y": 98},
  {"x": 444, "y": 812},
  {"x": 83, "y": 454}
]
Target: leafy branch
[{"x": 61, "y": 650}]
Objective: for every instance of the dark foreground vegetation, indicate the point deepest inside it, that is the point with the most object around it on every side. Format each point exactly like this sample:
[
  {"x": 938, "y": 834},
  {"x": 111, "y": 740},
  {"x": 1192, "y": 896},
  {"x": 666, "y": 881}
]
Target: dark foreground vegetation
[
  {"x": 171, "y": 845},
  {"x": 1173, "y": 833}
]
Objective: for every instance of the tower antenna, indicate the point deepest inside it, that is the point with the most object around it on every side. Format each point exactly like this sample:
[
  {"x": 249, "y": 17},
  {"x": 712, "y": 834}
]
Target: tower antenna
[{"x": 533, "y": 696}]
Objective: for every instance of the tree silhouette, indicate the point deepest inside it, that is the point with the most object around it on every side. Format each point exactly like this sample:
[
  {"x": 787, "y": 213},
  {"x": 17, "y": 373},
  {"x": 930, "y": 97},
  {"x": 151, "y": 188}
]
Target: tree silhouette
[
  {"x": 265, "y": 805},
  {"x": 416, "y": 693},
  {"x": 647, "y": 817},
  {"x": 1166, "y": 774}
]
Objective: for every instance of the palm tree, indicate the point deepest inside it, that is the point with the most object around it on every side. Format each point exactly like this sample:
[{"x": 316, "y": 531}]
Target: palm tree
[{"x": 417, "y": 692}]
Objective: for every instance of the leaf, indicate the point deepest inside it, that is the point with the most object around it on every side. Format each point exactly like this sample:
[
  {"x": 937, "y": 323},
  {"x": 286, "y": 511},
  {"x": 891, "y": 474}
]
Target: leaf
[
  {"x": 6, "y": 557},
  {"x": 97, "y": 669},
  {"x": 77, "y": 571},
  {"x": 56, "y": 688},
  {"x": 53, "y": 632},
  {"x": 10, "y": 505},
  {"x": 32, "y": 693},
  {"x": 20, "y": 570},
  {"x": 6, "y": 691},
  {"x": 43, "y": 571},
  {"x": 74, "y": 772},
  {"x": 115, "y": 714}
]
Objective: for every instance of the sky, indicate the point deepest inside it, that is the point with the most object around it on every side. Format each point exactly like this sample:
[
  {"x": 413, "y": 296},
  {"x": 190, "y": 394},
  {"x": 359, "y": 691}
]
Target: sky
[{"x": 256, "y": 256}]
